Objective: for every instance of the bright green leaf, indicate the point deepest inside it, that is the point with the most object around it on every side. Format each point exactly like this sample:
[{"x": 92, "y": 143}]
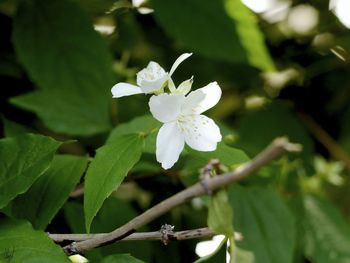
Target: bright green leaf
[
  {"x": 48, "y": 194},
  {"x": 227, "y": 156},
  {"x": 250, "y": 35},
  {"x": 144, "y": 125},
  {"x": 22, "y": 160},
  {"x": 220, "y": 214},
  {"x": 244, "y": 256},
  {"x": 120, "y": 258},
  {"x": 68, "y": 61},
  {"x": 20, "y": 243},
  {"x": 327, "y": 233},
  {"x": 108, "y": 169},
  {"x": 265, "y": 222},
  {"x": 224, "y": 30}
]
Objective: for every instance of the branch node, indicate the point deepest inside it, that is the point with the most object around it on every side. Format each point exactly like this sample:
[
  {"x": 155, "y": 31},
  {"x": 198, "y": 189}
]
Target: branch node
[
  {"x": 288, "y": 146},
  {"x": 273, "y": 151},
  {"x": 238, "y": 236},
  {"x": 294, "y": 147},
  {"x": 166, "y": 231},
  {"x": 71, "y": 248},
  {"x": 206, "y": 172},
  {"x": 204, "y": 184}
]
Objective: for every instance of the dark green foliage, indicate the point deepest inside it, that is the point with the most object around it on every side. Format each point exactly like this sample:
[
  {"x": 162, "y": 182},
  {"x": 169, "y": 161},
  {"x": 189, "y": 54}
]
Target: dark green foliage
[
  {"x": 70, "y": 64},
  {"x": 56, "y": 73},
  {"x": 48, "y": 194},
  {"x": 188, "y": 22},
  {"x": 23, "y": 159},
  {"x": 265, "y": 222}
]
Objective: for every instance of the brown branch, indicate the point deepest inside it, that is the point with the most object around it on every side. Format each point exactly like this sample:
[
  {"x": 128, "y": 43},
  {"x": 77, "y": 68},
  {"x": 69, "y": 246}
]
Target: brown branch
[
  {"x": 78, "y": 191},
  {"x": 335, "y": 150},
  {"x": 274, "y": 150},
  {"x": 157, "y": 235}
]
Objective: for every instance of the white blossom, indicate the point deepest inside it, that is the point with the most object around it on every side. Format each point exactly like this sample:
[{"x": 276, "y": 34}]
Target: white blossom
[
  {"x": 151, "y": 79},
  {"x": 78, "y": 259},
  {"x": 139, "y": 5},
  {"x": 183, "y": 122},
  {"x": 341, "y": 10}
]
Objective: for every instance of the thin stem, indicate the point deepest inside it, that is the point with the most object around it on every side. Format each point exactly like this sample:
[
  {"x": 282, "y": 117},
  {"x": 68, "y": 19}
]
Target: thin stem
[
  {"x": 78, "y": 191},
  {"x": 233, "y": 250},
  {"x": 180, "y": 235},
  {"x": 326, "y": 140},
  {"x": 274, "y": 150}
]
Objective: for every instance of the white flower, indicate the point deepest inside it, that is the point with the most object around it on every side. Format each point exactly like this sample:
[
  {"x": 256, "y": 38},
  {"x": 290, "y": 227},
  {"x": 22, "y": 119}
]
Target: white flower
[
  {"x": 149, "y": 80},
  {"x": 78, "y": 259},
  {"x": 138, "y": 4},
  {"x": 341, "y": 10},
  {"x": 183, "y": 122}
]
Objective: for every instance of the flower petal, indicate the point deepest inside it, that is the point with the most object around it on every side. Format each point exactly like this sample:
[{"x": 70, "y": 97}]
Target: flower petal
[
  {"x": 151, "y": 78},
  {"x": 124, "y": 89},
  {"x": 152, "y": 72},
  {"x": 185, "y": 86},
  {"x": 171, "y": 85},
  {"x": 195, "y": 105},
  {"x": 170, "y": 143},
  {"x": 153, "y": 85},
  {"x": 178, "y": 61},
  {"x": 145, "y": 10},
  {"x": 201, "y": 133},
  {"x": 166, "y": 107},
  {"x": 192, "y": 101}
]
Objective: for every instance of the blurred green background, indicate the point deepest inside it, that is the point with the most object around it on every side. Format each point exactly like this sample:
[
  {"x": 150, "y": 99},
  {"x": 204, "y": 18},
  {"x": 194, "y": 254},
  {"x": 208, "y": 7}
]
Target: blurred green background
[{"x": 283, "y": 67}]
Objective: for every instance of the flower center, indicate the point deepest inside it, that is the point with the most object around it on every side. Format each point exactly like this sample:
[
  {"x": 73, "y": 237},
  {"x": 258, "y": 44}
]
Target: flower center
[{"x": 188, "y": 126}]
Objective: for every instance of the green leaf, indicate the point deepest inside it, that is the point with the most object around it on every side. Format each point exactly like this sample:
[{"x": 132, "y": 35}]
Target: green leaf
[
  {"x": 48, "y": 194},
  {"x": 224, "y": 30},
  {"x": 250, "y": 35},
  {"x": 228, "y": 156},
  {"x": 67, "y": 112},
  {"x": 278, "y": 119},
  {"x": 108, "y": 218},
  {"x": 265, "y": 222},
  {"x": 220, "y": 214},
  {"x": 74, "y": 215},
  {"x": 120, "y": 258},
  {"x": 327, "y": 233},
  {"x": 144, "y": 125},
  {"x": 20, "y": 243},
  {"x": 69, "y": 62},
  {"x": 243, "y": 256},
  {"x": 12, "y": 128},
  {"x": 22, "y": 160},
  {"x": 97, "y": 7},
  {"x": 108, "y": 169},
  {"x": 9, "y": 67}
]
